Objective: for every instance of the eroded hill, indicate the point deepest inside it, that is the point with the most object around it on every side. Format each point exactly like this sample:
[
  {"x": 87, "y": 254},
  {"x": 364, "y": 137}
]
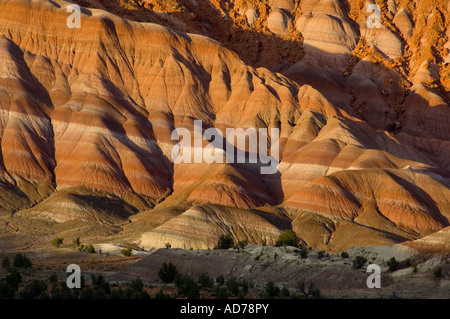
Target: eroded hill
[{"x": 87, "y": 117}]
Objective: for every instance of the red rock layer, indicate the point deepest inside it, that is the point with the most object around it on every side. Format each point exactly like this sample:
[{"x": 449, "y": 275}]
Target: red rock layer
[{"x": 364, "y": 133}]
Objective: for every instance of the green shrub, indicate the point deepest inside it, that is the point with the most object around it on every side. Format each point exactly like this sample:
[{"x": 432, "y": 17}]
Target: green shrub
[
  {"x": 89, "y": 248},
  {"x": 359, "y": 261},
  {"x": 87, "y": 293},
  {"x": 22, "y": 261},
  {"x": 63, "y": 292},
  {"x": 220, "y": 280},
  {"x": 132, "y": 293},
  {"x": 37, "y": 289},
  {"x": 438, "y": 272},
  {"x": 205, "y": 281},
  {"x": 393, "y": 264},
  {"x": 287, "y": 238},
  {"x": 139, "y": 295},
  {"x": 161, "y": 295},
  {"x": 285, "y": 293},
  {"x": 168, "y": 272},
  {"x": 13, "y": 279},
  {"x": 6, "y": 291},
  {"x": 57, "y": 241},
  {"x": 241, "y": 244},
  {"x": 101, "y": 286},
  {"x": 6, "y": 263},
  {"x": 187, "y": 287},
  {"x": 76, "y": 241},
  {"x": 225, "y": 242},
  {"x": 53, "y": 279},
  {"x": 303, "y": 253},
  {"x": 233, "y": 286},
  {"x": 221, "y": 293},
  {"x": 137, "y": 284},
  {"x": 308, "y": 289},
  {"x": 271, "y": 290},
  {"x": 245, "y": 285},
  {"x": 117, "y": 294},
  {"x": 320, "y": 254},
  {"x": 316, "y": 294},
  {"x": 126, "y": 252},
  {"x": 344, "y": 254},
  {"x": 193, "y": 293}
]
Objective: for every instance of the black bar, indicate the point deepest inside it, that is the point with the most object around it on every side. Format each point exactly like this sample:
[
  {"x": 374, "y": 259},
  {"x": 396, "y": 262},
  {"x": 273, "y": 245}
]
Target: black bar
[{"x": 173, "y": 309}]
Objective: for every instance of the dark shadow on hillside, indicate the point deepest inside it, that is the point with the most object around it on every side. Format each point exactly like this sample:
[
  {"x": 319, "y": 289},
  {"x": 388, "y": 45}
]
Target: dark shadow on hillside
[{"x": 254, "y": 48}]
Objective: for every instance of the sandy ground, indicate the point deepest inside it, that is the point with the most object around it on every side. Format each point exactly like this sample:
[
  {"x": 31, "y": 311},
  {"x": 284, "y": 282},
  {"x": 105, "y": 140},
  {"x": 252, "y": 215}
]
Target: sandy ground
[{"x": 332, "y": 274}]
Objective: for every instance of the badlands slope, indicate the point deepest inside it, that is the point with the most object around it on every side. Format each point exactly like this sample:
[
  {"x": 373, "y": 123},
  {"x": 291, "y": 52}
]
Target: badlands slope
[{"x": 87, "y": 116}]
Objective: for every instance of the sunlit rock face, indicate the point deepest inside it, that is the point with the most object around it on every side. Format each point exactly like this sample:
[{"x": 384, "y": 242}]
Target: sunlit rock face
[{"x": 88, "y": 114}]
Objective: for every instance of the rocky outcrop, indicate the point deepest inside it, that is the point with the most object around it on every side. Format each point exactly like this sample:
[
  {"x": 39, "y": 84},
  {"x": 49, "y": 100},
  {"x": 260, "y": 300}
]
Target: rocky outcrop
[{"x": 201, "y": 226}]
